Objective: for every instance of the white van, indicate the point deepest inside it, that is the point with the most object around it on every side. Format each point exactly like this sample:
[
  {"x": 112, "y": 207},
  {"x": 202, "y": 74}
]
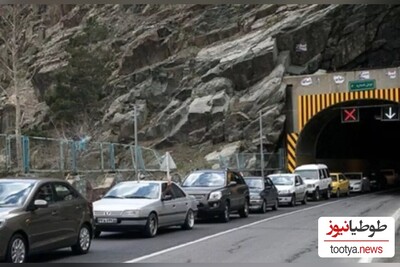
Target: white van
[{"x": 317, "y": 179}]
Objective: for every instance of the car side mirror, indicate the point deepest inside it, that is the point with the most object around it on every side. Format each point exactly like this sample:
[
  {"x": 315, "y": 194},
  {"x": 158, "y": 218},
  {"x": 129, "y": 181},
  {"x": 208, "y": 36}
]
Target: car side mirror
[
  {"x": 232, "y": 183},
  {"x": 38, "y": 204},
  {"x": 297, "y": 184},
  {"x": 166, "y": 198}
]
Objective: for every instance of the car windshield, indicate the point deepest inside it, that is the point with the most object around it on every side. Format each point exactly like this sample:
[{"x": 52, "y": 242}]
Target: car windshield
[
  {"x": 14, "y": 194},
  {"x": 134, "y": 190},
  {"x": 282, "y": 180},
  {"x": 354, "y": 176},
  {"x": 308, "y": 174},
  {"x": 205, "y": 179},
  {"x": 255, "y": 183}
]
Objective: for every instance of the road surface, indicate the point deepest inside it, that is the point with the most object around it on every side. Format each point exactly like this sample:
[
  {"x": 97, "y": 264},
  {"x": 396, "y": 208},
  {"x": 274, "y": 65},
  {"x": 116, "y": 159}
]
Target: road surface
[{"x": 287, "y": 235}]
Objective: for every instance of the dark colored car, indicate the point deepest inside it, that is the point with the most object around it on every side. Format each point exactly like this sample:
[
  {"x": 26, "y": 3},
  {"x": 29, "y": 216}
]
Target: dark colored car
[
  {"x": 218, "y": 192},
  {"x": 377, "y": 181},
  {"x": 263, "y": 193},
  {"x": 38, "y": 215}
]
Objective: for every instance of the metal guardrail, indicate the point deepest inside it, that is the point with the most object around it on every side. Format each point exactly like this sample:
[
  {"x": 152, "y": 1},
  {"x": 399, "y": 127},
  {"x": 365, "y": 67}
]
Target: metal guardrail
[{"x": 50, "y": 155}]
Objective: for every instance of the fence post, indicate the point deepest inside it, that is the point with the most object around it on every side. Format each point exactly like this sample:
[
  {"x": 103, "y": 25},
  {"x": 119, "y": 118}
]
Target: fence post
[
  {"x": 281, "y": 159},
  {"x": 139, "y": 160},
  {"x": 61, "y": 156},
  {"x": 25, "y": 153},
  {"x": 112, "y": 157},
  {"x": 101, "y": 157},
  {"x": 8, "y": 153},
  {"x": 73, "y": 157},
  {"x": 134, "y": 165}
]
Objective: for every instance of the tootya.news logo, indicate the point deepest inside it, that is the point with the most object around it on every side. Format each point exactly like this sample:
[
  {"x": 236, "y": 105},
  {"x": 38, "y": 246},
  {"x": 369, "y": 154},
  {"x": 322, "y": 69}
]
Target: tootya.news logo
[{"x": 356, "y": 237}]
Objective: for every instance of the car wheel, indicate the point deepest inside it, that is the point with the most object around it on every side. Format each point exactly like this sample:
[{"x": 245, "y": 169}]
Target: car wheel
[
  {"x": 244, "y": 212},
  {"x": 225, "y": 215},
  {"x": 82, "y": 246},
  {"x": 263, "y": 208},
  {"x": 328, "y": 193},
  {"x": 17, "y": 250},
  {"x": 276, "y": 204},
  {"x": 316, "y": 194},
  {"x": 304, "y": 202},
  {"x": 337, "y": 193},
  {"x": 189, "y": 221},
  {"x": 151, "y": 228},
  {"x": 293, "y": 201},
  {"x": 97, "y": 234}
]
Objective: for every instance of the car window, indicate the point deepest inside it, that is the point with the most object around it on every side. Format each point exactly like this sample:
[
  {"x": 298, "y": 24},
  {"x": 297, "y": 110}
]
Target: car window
[
  {"x": 64, "y": 193},
  {"x": 268, "y": 182},
  {"x": 238, "y": 179},
  {"x": 177, "y": 191},
  {"x": 327, "y": 173},
  {"x": 342, "y": 177},
  {"x": 167, "y": 190},
  {"x": 206, "y": 179},
  {"x": 321, "y": 174},
  {"x": 300, "y": 180},
  {"x": 45, "y": 192}
]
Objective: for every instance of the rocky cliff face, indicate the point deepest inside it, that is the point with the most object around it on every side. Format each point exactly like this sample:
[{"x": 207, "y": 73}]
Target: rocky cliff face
[{"x": 200, "y": 74}]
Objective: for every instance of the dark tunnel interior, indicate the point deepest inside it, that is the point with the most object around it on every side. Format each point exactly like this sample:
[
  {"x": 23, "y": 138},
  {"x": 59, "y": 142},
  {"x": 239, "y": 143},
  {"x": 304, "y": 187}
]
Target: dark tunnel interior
[{"x": 368, "y": 144}]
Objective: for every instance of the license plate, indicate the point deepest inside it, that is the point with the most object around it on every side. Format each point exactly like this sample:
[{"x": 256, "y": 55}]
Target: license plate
[{"x": 107, "y": 220}]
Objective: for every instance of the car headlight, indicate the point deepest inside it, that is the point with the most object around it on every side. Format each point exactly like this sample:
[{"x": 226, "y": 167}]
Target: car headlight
[
  {"x": 130, "y": 213},
  {"x": 215, "y": 195}
]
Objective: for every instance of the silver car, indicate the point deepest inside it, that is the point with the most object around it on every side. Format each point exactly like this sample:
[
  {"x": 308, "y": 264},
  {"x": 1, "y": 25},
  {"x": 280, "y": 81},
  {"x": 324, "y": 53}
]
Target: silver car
[
  {"x": 145, "y": 206},
  {"x": 358, "y": 182},
  {"x": 291, "y": 188}
]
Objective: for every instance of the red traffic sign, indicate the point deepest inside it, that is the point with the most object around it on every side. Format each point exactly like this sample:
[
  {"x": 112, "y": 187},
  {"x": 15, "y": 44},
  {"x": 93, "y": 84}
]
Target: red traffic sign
[{"x": 351, "y": 114}]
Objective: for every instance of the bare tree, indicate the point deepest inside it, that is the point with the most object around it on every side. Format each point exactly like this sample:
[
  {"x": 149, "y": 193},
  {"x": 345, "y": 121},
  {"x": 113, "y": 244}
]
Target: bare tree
[{"x": 15, "y": 39}]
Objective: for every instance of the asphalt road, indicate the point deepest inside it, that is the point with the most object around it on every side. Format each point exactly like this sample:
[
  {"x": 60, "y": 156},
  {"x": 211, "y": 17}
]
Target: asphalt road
[{"x": 286, "y": 235}]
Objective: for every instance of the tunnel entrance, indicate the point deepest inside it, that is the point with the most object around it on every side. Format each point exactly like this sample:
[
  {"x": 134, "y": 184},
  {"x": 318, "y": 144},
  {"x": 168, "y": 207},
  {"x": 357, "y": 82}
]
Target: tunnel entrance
[{"x": 367, "y": 145}]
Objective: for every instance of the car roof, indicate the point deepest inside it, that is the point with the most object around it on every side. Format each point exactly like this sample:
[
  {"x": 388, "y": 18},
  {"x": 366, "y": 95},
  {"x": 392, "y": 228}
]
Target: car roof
[
  {"x": 283, "y": 174},
  {"x": 253, "y": 177},
  {"x": 211, "y": 170},
  {"x": 145, "y": 182},
  {"x": 311, "y": 167},
  {"x": 32, "y": 180}
]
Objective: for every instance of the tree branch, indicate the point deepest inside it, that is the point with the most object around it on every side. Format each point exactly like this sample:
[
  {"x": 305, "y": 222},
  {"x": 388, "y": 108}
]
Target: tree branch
[
  {"x": 4, "y": 90},
  {"x": 6, "y": 66}
]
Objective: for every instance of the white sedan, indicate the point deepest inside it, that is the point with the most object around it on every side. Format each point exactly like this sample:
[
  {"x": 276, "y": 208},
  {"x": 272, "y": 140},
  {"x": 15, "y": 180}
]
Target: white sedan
[
  {"x": 145, "y": 206},
  {"x": 291, "y": 188}
]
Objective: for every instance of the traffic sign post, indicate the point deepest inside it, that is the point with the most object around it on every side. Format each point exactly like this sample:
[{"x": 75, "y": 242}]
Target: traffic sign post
[
  {"x": 350, "y": 114},
  {"x": 390, "y": 113}
]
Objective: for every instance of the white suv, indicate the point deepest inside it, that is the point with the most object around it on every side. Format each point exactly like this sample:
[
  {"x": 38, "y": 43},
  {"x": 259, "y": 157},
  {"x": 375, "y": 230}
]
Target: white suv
[{"x": 317, "y": 179}]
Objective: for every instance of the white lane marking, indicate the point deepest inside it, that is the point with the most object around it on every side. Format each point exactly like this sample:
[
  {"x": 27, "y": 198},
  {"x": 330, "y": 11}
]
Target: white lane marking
[
  {"x": 235, "y": 229},
  {"x": 396, "y": 216}
]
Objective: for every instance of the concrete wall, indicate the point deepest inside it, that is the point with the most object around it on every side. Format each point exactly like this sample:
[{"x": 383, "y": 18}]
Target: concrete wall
[{"x": 324, "y": 83}]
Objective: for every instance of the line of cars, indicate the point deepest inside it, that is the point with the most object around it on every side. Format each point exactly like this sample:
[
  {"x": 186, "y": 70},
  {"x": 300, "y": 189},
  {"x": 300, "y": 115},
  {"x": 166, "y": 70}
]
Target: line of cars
[{"x": 38, "y": 215}]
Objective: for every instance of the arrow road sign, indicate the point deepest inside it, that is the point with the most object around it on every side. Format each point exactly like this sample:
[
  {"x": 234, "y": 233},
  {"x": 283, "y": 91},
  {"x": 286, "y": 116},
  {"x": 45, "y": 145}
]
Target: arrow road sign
[
  {"x": 350, "y": 115},
  {"x": 390, "y": 113}
]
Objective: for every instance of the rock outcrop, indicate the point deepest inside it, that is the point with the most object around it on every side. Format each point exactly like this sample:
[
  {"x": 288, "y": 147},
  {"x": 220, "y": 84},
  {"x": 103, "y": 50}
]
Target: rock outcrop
[{"x": 202, "y": 74}]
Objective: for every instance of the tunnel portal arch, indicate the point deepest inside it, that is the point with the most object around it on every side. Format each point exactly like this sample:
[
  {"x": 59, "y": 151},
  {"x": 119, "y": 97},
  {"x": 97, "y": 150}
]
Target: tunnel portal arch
[{"x": 323, "y": 138}]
